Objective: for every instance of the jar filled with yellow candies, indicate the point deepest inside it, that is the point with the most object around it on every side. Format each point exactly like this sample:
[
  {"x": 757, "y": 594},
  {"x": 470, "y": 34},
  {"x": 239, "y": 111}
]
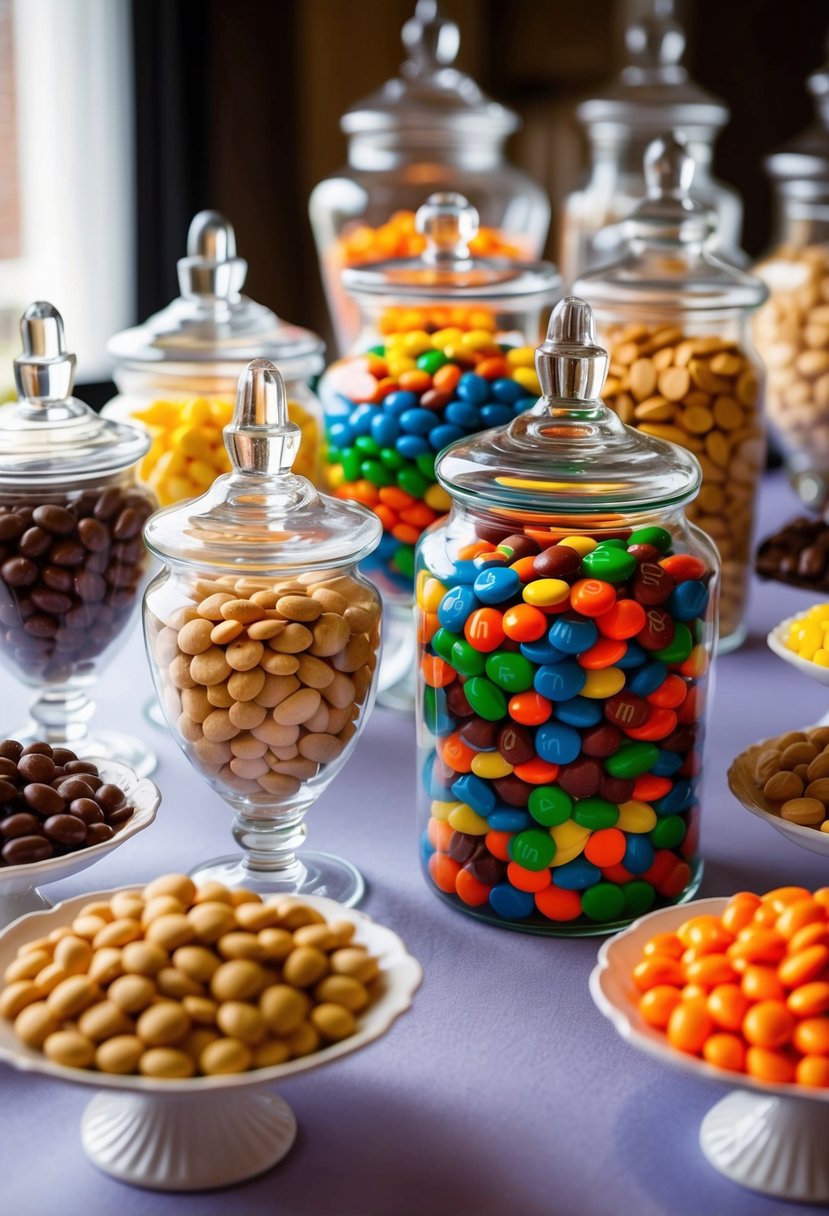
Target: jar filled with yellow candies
[{"x": 177, "y": 373}]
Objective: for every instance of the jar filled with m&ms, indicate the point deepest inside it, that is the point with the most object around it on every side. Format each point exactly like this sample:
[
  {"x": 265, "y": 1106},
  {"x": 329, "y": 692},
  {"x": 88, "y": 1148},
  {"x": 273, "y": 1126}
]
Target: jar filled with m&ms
[
  {"x": 567, "y": 618},
  {"x": 675, "y": 319},
  {"x": 652, "y": 94},
  {"x": 430, "y": 129},
  {"x": 446, "y": 350},
  {"x": 177, "y": 373}
]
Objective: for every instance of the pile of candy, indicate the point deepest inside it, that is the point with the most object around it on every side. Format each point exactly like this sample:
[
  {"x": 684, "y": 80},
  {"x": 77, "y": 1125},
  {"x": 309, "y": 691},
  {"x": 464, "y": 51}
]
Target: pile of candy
[
  {"x": 564, "y": 688},
  {"x": 808, "y": 635},
  {"x": 187, "y": 453},
  {"x": 747, "y": 991},
  {"x": 793, "y": 773},
  {"x": 398, "y": 238},
  {"x": 389, "y": 412}
]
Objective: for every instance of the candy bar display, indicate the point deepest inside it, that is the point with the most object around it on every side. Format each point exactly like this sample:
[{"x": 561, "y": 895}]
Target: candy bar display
[
  {"x": 72, "y": 561},
  {"x": 431, "y": 129},
  {"x": 682, "y": 368},
  {"x": 443, "y": 354},
  {"x": 652, "y": 94},
  {"x": 177, "y": 373},
  {"x": 792, "y": 330},
  {"x": 263, "y": 641},
  {"x": 566, "y": 620}
]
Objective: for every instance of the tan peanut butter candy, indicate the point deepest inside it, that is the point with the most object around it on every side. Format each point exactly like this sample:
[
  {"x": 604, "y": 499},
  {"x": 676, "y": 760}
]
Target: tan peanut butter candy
[
  {"x": 793, "y": 773},
  {"x": 702, "y": 393}
]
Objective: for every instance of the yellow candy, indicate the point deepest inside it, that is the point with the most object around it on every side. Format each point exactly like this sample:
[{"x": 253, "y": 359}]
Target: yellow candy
[
  {"x": 464, "y": 819},
  {"x": 521, "y": 356},
  {"x": 491, "y": 765},
  {"x": 446, "y": 337},
  {"x": 442, "y": 810},
  {"x": 192, "y": 443},
  {"x": 603, "y": 683},
  {"x": 335, "y": 476},
  {"x": 526, "y": 377},
  {"x": 570, "y": 838},
  {"x": 197, "y": 412},
  {"x": 398, "y": 364},
  {"x": 477, "y": 339},
  {"x": 417, "y": 343},
  {"x": 696, "y": 664},
  {"x": 821, "y": 658},
  {"x": 431, "y": 594},
  {"x": 202, "y": 473},
  {"x": 437, "y": 498},
  {"x": 544, "y": 592},
  {"x": 810, "y": 641},
  {"x": 635, "y": 817},
  {"x": 582, "y": 544}
]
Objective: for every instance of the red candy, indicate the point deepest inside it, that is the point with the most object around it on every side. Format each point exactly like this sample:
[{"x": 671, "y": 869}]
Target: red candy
[
  {"x": 658, "y": 631},
  {"x": 660, "y": 724},
  {"x": 626, "y": 710}
]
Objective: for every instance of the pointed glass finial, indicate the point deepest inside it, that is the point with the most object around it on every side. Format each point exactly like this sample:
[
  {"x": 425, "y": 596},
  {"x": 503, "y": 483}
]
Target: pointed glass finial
[
  {"x": 261, "y": 438},
  {"x": 211, "y": 267},
  {"x": 449, "y": 222},
  {"x": 669, "y": 167},
  {"x": 656, "y": 44},
  {"x": 570, "y": 364},
  {"x": 432, "y": 42},
  {"x": 45, "y": 371},
  {"x": 667, "y": 215}
]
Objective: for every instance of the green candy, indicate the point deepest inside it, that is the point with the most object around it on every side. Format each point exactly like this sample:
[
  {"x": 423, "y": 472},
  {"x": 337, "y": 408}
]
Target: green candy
[
  {"x": 605, "y": 901},
  {"x": 658, "y": 537},
  {"x": 639, "y": 896},
  {"x": 608, "y": 563},
  {"x": 426, "y": 466},
  {"x": 532, "y": 849},
  {"x": 351, "y": 464},
  {"x": 596, "y": 813},
  {"x": 487, "y": 700},
  {"x": 679, "y": 647},
  {"x": 430, "y": 708},
  {"x": 510, "y": 671},
  {"x": 443, "y": 641},
  {"x": 632, "y": 759},
  {"x": 467, "y": 660},
  {"x": 431, "y": 361},
  {"x": 668, "y": 833},
  {"x": 615, "y": 542},
  {"x": 550, "y": 805},
  {"x": 404, "y": 560},
  {"x": 392, "y": 459},
  {"x": 375, "y": 472},
  {"x": 412, "y": 482},
  {"x": 367, "y": 446},
  {"x": 333, "y": 455},
  {"x": 377, "y": 350}
]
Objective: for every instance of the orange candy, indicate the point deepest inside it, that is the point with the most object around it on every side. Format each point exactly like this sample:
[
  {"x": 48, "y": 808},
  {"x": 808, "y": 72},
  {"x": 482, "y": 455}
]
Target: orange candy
[
  {"x": 762, "y": 984},
  {"x": 592, "y": 597},
  {"x": 680, "y": 566},
  {"x": 471, "y": 890},
  {"x": 725, "y": 1051},
  {"x": 802, "y": 968},
  {"x": 705, "y": 934},
  {"x": 664, "y": 943},
  {"x": 811, "y": 1036},
  {"x": 710, "y": 970},
  {"x": 492, "y": 368},
  {"x": 524, "y": 623},
  {"x": 797, "y": 916},
  {"x": 447, "y": 378},
  {"x": 671, "y": 692},
  {"x": 498, "y": 844},
  {"x": 529, "y": 708},
  {"x": 658, "y": 969},
  {"x": 690, "y": 1024},
  {"x": 813, "y": 1071},
  {"x": 728, "y": 1005},
  {"x": 647, "y": 788},
  {"x": 606, "y": 847},
  {"x": 660, "y": 723},
  {"x": 524, "y": 569},
  {"x": 624, "y": 620},
  {"x": 427, "y": 626},
  {"x": 439, "y": 833},
  {"x": 415, "y": 381},
  {"x": 557, "y": 904},
  {"x": 768, "y": 1024},
  {"x": 766, "y": 1065},
  {"x": 484, "y": 629},
  {"x": 536, "y": 771},
  {"x": 809, "y": 1000},
  {"x": 658, "y": 1003},
  {"x": 755, "y": 944},
  {"x": 444, "y": 872},
  {"x": 603, "y": 653},
  {"x": 396, "y": 498},
  {"x": 740, "y": 910},
  {"x": 528, "y": 880},
  {"x": 456, "y": 753},
  {"x": 436, "y": 672}
]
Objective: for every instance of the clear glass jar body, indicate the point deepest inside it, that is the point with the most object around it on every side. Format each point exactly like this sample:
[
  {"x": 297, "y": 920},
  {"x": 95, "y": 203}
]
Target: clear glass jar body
[
  {"x": 558, "y": 786},
  {"x": 694, "y": 378},
  {"x": 792, "y": 335},
  {"x": 591, "y": 223},
  {"x": 186, "y": 415},
  {"x": 366, "y": 211}
]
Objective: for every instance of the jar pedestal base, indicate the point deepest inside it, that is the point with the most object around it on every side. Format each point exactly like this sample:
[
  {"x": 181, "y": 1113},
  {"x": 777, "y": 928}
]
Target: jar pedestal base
[{"x": 316, "y": 874}]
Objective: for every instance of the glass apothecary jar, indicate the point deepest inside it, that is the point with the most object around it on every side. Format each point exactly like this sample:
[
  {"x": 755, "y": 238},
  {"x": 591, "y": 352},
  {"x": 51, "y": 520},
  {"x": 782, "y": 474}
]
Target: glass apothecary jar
[
  {"x": 653, "y": 94},
  {"x": 792, "y": 330},
  {"x": 445, "y": 350},
  {"x": 567, "y": 614},
  {"x": 431, "y": 129},
  {"x": 676, "y": 321},
  {"x": 263, "y": 640},
  {"x": 72, "y": 561},
  {"x": 177, "y": 373}
]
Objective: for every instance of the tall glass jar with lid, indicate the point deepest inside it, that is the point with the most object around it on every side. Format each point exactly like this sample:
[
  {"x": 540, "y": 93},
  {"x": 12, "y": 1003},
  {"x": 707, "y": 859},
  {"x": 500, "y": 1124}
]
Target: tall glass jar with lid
[
  {"x": 176, "y": 373},
  {"x": 682, "y": 366},
  {"x": 430, "y": 129},
  {"x": 567, "y": 614},
  {"x": 792, "y": 330},
  {"x": 445, "y": 350},
  {"x": 654, "y": 93}
]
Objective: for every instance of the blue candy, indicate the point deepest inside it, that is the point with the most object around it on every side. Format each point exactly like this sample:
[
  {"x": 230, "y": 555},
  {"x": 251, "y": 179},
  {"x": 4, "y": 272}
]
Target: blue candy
[
  {"x": 434, "y": 787},
  {"x": 560, "y": 681},
  {"x": 676, "y": 800},
  {"x": 639, "y": 853},
  {"x": 387, "y": 547},
  {"x": 384, "y": 430},
  {"x": 634, "y": 656},
  {"x": 541, "y": 651},
  {"x": 475, "y": 792},
  {"x": 340, "y": 435},
  {"x": 526, "y": 403},
  {"x": 509, "y": 819},
  {"x": 577, "y": 875},
  {"x": 426, "y": 847},
  {"x": 687, "y": 600},
  {"x": 495, "y": 415},
  {"x": 507, "y": 391},
  {"x": 417, "y": 421},
  {"x": 464, "y": 572},
  {"x": 573, "y": 635},
  {"x": 580, "y": 711},
  {"x": 398, "y": 402},
  {"x": 456, "y": 606},
  {"x": 667, "y": 764},
  {"x": 496, "y": 584},
  {"x": 412, "y": 446},
  {"x": 648, "y": 678},
  {"x": 511, "y": 903},
  {"x": 361, "y": 419},
  {"x": 557, "y": 744},
  {"x": 473, "y": 389},
  {"x": 462, "y": 414},
  {"x": 441, "y": 436}
]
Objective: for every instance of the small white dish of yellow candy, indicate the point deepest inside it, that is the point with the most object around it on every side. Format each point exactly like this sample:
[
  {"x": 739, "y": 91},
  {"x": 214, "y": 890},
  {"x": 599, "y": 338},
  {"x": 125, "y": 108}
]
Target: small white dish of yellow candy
[
  {"x": 182, "y": 1005},
  {"x": 803, "y": 642}
]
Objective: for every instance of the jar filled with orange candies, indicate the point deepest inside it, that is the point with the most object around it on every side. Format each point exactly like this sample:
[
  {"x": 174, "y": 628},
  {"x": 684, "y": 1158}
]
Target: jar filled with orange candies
[
  {"x": 430, "y": 129},
  {"x": 446, "y": 350}
]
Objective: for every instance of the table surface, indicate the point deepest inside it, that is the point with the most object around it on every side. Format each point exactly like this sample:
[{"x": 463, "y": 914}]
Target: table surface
[{"x": 503, "y": 1091}]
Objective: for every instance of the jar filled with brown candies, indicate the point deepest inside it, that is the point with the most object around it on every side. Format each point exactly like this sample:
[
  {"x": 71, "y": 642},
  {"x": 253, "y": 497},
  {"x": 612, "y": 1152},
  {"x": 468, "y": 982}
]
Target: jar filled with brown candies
[
  {"x": 263, "y": 641},
  {"x": 792, "y": 329},
  {"x": 682, "y": 368}
]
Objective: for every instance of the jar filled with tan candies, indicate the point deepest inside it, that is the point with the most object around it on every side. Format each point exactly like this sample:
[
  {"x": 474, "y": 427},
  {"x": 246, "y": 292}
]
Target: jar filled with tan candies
[
  {"x": 682, "y": 368},
  {"x": 792, "y": 330}
]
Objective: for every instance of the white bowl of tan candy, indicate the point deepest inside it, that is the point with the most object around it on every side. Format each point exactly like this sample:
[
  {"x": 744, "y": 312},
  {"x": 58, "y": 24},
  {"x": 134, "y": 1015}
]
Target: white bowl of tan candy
[
  {"x": 173, "y": 990},
  {"x": 786, "y": 782}
]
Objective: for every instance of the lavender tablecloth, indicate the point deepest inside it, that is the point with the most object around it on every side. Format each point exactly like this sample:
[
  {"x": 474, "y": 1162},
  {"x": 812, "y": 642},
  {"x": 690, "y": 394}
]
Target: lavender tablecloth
[{"x": 503, "y": 1092}]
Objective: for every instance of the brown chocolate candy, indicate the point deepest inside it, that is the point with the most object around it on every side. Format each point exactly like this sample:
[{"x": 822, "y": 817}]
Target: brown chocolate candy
[{"x": 558, "y": 561}]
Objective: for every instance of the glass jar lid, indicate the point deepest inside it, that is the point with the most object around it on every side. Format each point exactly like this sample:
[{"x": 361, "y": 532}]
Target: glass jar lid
[
  {"x": 48, "y": 435},
  {"x": 430, "y": 100},
  {"x": 666, "y": 261},
  {"x": 446, "y": 268},
  {"x": 261, "y": 516},
  {"x": 212, "y": 322},
  {"x": 570, "y": 456},
  {"x": 654, "y": 90},
  {"x": 802, "y": 166}
]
